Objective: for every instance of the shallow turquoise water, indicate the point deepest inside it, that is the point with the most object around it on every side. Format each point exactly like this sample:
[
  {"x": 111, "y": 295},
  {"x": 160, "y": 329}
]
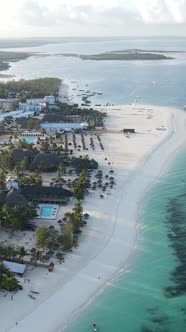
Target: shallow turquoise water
[
  {"x": 136, "y": 300},
  {"x": 29, "y": 139},
  {"x": 46, "y": 211}
]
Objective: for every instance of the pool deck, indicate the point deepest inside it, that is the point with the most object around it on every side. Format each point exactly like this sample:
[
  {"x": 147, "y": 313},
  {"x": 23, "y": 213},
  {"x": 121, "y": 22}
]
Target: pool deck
[{"x": 53, "y": 214}]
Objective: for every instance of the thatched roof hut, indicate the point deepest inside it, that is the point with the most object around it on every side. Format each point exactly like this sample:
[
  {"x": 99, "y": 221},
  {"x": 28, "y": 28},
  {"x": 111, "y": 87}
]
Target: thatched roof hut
[
  {"x": 18, "y": 155},
  {"x": 14, "y": 198},
  {"x": 78, "y": 163},
  {"x": 45, "y": 161},
  {"x": 46, "y": 194}
]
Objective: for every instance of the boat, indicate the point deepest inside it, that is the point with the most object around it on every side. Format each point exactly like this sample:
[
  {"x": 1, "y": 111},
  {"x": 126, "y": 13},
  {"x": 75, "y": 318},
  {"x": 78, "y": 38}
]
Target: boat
[{"x": 94, "y": 327}]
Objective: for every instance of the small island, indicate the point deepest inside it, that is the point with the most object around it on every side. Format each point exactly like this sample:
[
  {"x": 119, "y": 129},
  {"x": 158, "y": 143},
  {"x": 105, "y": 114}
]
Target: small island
[{"x": 125, "y": 55}]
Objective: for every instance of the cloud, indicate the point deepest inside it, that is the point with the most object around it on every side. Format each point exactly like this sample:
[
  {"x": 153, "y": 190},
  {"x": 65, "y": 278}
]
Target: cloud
[
  {"x": 33, "y": 13},
  {"x": 162, "y": 11}
]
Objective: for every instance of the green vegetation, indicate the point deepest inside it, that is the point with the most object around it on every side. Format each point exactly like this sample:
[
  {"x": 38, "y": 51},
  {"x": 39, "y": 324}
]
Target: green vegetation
[
  {"x": 7, "y": 280},
  {"x": 47, "y": 238},
  {"x": 36, "y": 88},
  {"x": 2, "y": 178},
  {"x": 6, "y": 161},
  {"x": 42, "y": 236},
  {"x": 33, "y": 179},
  {"x": 122, "y": 55},
  {"x": 16, "y": 217},
  {"x": 51, "y": 239},
  {"x": 6, "y": 57},
  {"x": 79, "y": 186},
  {"x": 125, "y": 56}
]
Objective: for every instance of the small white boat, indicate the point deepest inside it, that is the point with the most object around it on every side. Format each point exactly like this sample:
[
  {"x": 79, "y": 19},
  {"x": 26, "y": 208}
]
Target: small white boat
[{"x": 94, "y": 327}]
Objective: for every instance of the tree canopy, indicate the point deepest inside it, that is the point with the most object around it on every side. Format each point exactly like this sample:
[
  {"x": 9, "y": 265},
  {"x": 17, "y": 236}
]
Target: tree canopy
[{"x": 16, "y": 217}]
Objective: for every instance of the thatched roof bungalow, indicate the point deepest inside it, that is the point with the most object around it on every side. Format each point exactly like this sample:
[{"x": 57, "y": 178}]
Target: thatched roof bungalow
[
  {"x": 14, "y": 198},
  {"x": 78, "y": 163},
  {"x": 18, "y": 155},
  {"x": 46, "y": 162},
  {"x": 48, "y": 195}
]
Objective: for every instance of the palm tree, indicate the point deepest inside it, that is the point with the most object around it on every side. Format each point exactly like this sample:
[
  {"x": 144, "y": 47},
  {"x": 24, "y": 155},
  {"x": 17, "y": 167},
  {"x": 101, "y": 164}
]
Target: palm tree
[
  {"x": 36, "y": 256},
  {"x": 61, "y": 259},
  {"x": 10, "y": 251},
  {"x": 22, "y": 252},
  {"x": 4, "y": 271},
  {"x": 10, "y": 283}
]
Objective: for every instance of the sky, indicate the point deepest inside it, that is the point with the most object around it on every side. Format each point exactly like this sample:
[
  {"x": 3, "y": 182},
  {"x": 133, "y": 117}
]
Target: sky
[{"x": 39, "y": 18}]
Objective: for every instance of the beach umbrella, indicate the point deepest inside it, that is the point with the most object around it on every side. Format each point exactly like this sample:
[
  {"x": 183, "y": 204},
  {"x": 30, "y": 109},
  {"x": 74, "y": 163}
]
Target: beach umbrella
[
  {"x": 33, "y": 250},
  {"x": 51, "y": 264},
  {"x": 50, "y": 252},
  {"x": 59, "y": 254},
  {"x": 51, "y": 227},
  {"x": 86, "y": 215},
  {"x": 59, "y": 221},
  {"x": 45, "y": 257}
]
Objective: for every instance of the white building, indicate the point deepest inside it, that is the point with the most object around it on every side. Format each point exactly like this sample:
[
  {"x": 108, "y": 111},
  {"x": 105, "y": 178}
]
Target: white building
[
  {"x": 64, "y": 126},
  {"x": 50, "y": 100},
  {"x": 26, "y": 107},
  {"x": 34, "y": 101}
]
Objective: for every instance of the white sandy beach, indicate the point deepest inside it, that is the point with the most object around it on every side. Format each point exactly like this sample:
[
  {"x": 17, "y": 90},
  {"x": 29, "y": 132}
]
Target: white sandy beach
[{"x": 110, "y": 237}]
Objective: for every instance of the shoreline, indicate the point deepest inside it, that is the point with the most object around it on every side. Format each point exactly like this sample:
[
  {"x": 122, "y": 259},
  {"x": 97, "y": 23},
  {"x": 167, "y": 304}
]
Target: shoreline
[{"x": 109, "y": 264}]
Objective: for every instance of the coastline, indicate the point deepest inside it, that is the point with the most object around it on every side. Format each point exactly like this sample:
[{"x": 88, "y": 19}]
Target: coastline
[{"x": 107, "y": 262}]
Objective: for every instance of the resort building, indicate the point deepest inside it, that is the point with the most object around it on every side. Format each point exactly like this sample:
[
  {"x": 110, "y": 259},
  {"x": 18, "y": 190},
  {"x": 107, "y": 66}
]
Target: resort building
[
  {"x": 50, "y": 100},
  {"x": 19, "y": 155},
  {"x": 64, "y": 126},
  {"x": 7, "y": 105},
  {"x": 15, "y": 198},
  {"x": 34, "y": 101},
  {"x": 27, "y": 107},
  {"x": 15, "y": 267},
  {"x": 50, "y": 195},
  {"x": 45, "y": 162}
]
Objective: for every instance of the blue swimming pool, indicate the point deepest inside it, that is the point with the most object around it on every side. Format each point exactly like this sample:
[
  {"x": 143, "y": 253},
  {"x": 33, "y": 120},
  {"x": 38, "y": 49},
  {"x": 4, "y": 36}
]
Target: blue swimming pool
[
  {"x": 29, "y": 139},
  {"x": 46, "y": 211}
]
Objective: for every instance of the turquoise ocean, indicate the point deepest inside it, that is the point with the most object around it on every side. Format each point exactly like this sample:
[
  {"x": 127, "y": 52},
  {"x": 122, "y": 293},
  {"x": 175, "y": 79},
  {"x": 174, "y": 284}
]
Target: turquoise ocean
[{"x": 150, "y": 296}]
